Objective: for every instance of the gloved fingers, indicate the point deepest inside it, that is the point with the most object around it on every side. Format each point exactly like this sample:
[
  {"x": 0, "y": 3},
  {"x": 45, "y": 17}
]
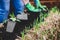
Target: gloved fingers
[{"x": 44, "y": 8}]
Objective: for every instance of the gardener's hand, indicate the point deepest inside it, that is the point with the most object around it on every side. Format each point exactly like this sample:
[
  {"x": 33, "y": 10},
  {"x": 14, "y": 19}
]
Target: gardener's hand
[
  {"x": 44, "y": 8},
  {"x": 26, "y": 1}
]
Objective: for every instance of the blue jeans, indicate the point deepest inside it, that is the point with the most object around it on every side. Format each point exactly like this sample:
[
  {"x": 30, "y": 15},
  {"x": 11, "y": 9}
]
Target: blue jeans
[{"x": 5, "y": 7}]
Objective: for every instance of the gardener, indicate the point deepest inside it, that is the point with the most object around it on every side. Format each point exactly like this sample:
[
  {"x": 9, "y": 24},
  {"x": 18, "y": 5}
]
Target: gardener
[{"x": 5, "y": 7}]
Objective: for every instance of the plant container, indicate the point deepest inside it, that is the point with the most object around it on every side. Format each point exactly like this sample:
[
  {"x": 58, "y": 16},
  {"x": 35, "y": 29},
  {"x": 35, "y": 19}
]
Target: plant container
[{"x": 10, "y": 26}]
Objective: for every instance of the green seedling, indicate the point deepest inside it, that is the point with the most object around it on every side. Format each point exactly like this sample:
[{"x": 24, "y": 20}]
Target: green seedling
[
  {"x": 13, "y": 18},
  {"x": 35, "y": 25},
  {"x": 54, "y": 9},
  {"x": 22, "y": 33},
  {"x": 26, "y": 29}
]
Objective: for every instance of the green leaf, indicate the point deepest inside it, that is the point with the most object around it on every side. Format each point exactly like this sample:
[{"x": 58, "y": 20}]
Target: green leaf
[{"x": 13, "y": 19}]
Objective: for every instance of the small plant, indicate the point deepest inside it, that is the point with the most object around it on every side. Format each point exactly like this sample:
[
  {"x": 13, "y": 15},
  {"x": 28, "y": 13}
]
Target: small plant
[
  {"x": 54, "y": 9},
  {"x": 26, "y": 29},
  {"x": 36, "y": 26},
  {"x": 11, "y": 23},
  {"x": 13, "y": 18},
  {"x": 22, "y": 33}
]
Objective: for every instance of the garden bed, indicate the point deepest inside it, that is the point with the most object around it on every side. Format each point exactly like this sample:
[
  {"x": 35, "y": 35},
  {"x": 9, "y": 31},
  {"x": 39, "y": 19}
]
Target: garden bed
[{"x": 47, "y": 30}]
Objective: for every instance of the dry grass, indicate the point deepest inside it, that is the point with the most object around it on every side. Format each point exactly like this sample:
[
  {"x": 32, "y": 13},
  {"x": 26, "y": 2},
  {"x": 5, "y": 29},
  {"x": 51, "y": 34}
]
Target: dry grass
[{"x": 48, "y": 30}]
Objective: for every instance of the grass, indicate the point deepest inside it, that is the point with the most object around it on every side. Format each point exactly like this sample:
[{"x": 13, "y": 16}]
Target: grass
[
  {"x": 37, "y": 24},
  {"x": 22, "y": 33}
]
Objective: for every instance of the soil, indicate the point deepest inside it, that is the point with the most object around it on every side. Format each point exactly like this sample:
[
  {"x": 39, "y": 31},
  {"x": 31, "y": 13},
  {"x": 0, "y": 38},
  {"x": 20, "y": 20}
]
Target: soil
[{"x": 20, "y": 26}]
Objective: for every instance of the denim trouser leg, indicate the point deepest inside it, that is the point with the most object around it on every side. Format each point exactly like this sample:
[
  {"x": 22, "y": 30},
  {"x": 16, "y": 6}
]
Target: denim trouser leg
[
  {"x": 4, "y": 9},
  {"x": 19, "y": 6}
]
